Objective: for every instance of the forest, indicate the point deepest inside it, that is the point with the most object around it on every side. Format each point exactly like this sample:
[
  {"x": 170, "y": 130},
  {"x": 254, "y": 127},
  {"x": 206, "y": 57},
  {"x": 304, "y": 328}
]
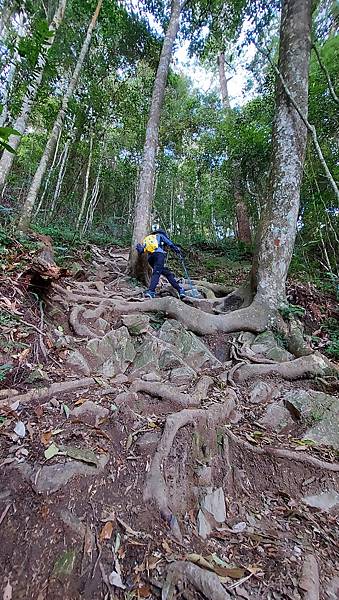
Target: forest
[{"x": 169, "y": 430}]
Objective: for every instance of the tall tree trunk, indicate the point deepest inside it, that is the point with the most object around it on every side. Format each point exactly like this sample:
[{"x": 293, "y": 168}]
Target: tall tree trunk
[
  {"x": 20, "y": 124},
  {"x": 33, "y": 192},
  {"x": 85, "y": 194},
  {"x": 279, "y": 220},
  {"x": 243, "y": 222},
  {"x": 6, "y": 13},
  {"x": 223, "y": 81},
  {"x": 142, "y": 217},
  {"x": 11, "y": 71}
]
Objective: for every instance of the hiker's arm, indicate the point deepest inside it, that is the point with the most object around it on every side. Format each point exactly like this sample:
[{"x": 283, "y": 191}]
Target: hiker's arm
[{"x": 140, "y": 248}]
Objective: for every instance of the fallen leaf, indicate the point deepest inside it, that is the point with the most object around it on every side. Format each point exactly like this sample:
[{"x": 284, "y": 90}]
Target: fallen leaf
[
  {"x": 20, "y": 429},
  {"x": 106, "y": 532},
  {"x": 144, "y": 591},
  {"x": 80, "y": 401},
  {"x": 129, "y": 441},
  {"x": 24, "y": 355},
  {"x": 166, "y": 547},
  {"x": 115, "y": 579},
  {"x": 46, "y": 437},
  {"x": 66, "y": 410},
  {"x": 82, "y": 454},
  {"x": 232, "y": 572},
  {"x": 200, "y": 561},
  {"x": 53, "y": 450},
  {"x": 39, "y": 411},
  {"x": 15, "y": 405},
  {"x": 117, "y": 543}
]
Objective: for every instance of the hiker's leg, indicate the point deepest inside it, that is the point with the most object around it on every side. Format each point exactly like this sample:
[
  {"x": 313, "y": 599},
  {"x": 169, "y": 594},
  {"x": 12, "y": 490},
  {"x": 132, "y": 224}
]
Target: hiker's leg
[
  {"x": 171, "y": 279},
  {"x": 157, "y": 264}
]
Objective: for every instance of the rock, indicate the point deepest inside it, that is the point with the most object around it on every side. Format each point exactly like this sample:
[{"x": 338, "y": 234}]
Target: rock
[
  {"x": 52, "y": 478},
  {"x": 64, "y": 564},
  {"x": 146, "y": 359},
  {"x": 90, "y": 412},
  {"x": 170, "y": 360},
  {"x": 276, "y": 417},
  {"x": 266, "y": 345},
  {"x": 318, "y": 411},
  {"x": 204, "y": 474},
  {"x": 182, "y": 376},
  {"x": 203, "y": 526},
  {"x": 150, "y": 438},
  {"x": 332, "y": 589},
  {"x": 126, "y": 398},
  {"x": 37, "y": 375},
  {"x": 260, "y": 392},
  {"x": 324, "y": 500},
  {"x": 137, "y": 324},
  {"x": 119, "y": 379},
  {"x": 77, "y": 362},
  {"x": 73, "y": 522},
  {"x": 188, "y": 345},
  {"x": 64, "y": 341},
  {"x": 246, "y": 337},
  {"x": 151, "y": 377},
  {"x": 112, "y": 353},
  {"x": 214, "y": 503}
]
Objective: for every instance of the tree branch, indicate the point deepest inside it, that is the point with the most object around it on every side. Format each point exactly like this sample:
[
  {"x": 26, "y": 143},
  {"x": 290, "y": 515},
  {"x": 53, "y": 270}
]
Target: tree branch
[{"x": 303, "y": 117}]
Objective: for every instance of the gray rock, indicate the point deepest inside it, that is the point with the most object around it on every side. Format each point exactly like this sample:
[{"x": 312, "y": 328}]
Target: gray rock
[
  {"x": 113, "y": 353},
  {"x": 266, "y": 344},
  {"x": 188, "y": 345},
  {"x": 214, "y": 503},
  {"x": 170, "y": 360},
  {"x": 182, "y": 376},
  {"x": 204, "y": 474},
  {"x": 77, "y": 362},
  {"x": 137, "y": 324},
  {"x": 260, "y": 392},
  {"x": 151, "y": 377},
  {"x": 332, "y": 589},
  {"x": 150, "y": 438},
  {"x": 52, "y": 478},
  {"x": 64, "y": 341},
  {"x": 203, "y": 525},
  {"x": 146, "y": 359},
  {"x": 324, "y": 500},
  {"x": 90, "y": 412},
  {"x": 276, "y": 417},
  {"x": 317, "y": 410}
]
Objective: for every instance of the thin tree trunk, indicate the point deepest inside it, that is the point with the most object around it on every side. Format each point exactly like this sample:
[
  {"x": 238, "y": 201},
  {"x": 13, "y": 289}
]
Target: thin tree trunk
[
  {"x": 223, "y": 81},
  {"x": 11, "y": 72},
  {"x": 49, "y": 175},
  {"x": 6, "y": 13},
  {"x": 60, "y": 179},
  {"x": 20, "y": 124},
  {"x": 28, "y": 206},
  {"x": 85, "y": 194},
  {"x": 92, "y": 204},
  {"x": 243, "y": 222},
  {"x": 137, "y": 267},
  {"x": 277, "y": 229}
]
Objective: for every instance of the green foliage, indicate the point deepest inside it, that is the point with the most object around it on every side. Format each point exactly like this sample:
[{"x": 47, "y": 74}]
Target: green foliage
[
  {"x": 4, "y": 370},
  {"x": 331, "y": 327},
  {"x": 5, "y": 133},
  {"x": 291, "y": 310}
]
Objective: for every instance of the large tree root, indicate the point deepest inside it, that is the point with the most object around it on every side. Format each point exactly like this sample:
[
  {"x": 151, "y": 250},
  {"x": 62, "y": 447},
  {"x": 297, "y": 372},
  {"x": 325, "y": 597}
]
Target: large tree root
[
  {"x": 180, "y": 574},
  {"x": 168, "y": 392},
  {"x": 79, "y": 328},
  {"x": 282, "y": 453},
  {"x": 255, "y": 318},
  {"x": 48, "y": 392},
  {"x": 305, "y": 366},
  {"x": 155, "y": 485},
  {"x": 309, "y": 581}
]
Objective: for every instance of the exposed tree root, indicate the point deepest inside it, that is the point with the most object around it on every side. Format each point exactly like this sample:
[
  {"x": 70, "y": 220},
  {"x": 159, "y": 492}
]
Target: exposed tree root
[
  {"x": 79, "y": 328},
  {"x": 167, "y": 392},
  {"x": 282, "y": 453},
  {"x": 180, "y": 574},
  {"x": 48, "y": 392},
  {"x": 305, "y": 366},
  {"x": 217, "y": 288},
  {"x": 255, "y": 318},
  {"x": 240, "y": 298},
  {"x": 309, "y": 581},
  {"x": 155, "y": 485}
]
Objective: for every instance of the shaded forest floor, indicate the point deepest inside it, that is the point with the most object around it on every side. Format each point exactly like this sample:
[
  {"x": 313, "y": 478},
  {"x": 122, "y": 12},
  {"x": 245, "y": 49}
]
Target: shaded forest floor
[{"x": 92, "y": 504}]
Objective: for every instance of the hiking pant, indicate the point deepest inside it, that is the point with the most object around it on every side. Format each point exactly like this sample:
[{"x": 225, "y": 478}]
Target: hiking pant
[{"x": 157, "y": 262}]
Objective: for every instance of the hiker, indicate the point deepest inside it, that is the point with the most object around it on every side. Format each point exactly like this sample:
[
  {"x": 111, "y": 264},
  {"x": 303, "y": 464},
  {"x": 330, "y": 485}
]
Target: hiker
[{"x": 156, "y": 245}]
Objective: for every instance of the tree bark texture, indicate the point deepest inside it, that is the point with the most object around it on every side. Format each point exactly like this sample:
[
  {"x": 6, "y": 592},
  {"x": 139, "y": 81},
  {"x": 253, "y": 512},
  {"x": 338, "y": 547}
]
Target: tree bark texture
[
  {"x": 33, "y": 192},
  {"x": 277, "y": 228},
  {"x": 20, "y": 123},
  {"x": 143, "y": 208},
  {"x": 223, "y": 81}
]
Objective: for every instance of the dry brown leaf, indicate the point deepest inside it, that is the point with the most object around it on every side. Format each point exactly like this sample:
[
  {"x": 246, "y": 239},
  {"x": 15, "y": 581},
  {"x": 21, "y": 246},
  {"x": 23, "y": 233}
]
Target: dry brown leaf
[
  {"x": 39, "y": 411},
  {"x": 23, "y": 355},
  {"x": 46, "y": 437},
  {"x": 106, "y": 532},
  {"x": 80, "y": 401},
  {"x": 166, "y": 547},
  {"x": 144, "y": 592}
]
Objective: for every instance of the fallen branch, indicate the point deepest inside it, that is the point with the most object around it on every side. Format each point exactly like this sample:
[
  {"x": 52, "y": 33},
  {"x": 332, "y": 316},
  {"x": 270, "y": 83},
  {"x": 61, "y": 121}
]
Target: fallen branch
[
  {"x": 48, "y": 392},
  {"x": 282, "y": 453},
  {"x": 168, "y": 392},
  {"x": 309, "y": 581},
  {"x": 181, "y": 573},
  {"x": 155, "y": 485}
]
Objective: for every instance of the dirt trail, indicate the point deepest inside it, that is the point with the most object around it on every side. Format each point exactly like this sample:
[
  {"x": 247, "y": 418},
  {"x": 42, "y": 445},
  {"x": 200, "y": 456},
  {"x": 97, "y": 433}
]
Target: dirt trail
[{"x": 151, "y": 470}]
